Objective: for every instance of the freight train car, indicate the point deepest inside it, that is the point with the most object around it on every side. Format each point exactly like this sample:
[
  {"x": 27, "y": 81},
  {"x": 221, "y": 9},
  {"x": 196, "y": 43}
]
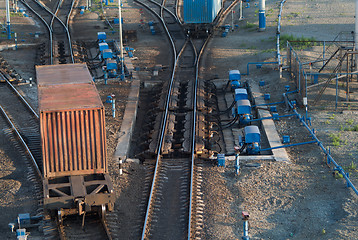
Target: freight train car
[
  {"x": 199, "y": 16},
  {"x": 73, "y": 139}
]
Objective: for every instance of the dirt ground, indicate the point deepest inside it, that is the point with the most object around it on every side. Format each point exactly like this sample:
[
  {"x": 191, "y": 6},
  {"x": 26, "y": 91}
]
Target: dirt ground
[{"x": 296, "y": 200}]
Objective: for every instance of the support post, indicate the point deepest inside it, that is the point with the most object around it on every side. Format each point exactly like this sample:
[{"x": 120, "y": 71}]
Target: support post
[
  {"x": 336, "y": 91},
  {"x": 237, "y": 164},
  {"x": 114, "y": 107},
  {"x": 120, "y": 166},
  {"x": 262, "y": 16},
  {"x": 241, "y": 17},
  {"x": 15, "y": 41},
  {"x": 232, "y": 20},
  {"x": 121, "y": 38},
  {"x": 245, "y": 217},
  {"x": 324, "y": 52},
  {"x": 8, "y": 19}
]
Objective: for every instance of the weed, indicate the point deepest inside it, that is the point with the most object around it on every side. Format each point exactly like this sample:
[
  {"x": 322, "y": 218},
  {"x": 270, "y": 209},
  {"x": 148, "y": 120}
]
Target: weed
[
  {"x": 298, "y": 42},
  {"x": 250, "y": 25},
  {"x": 350, "y": 121},
  {"x": 351, "y": 167},
  {"x": 332, "y": 116},
  {"x": 18, "y": 14},
  {"x": 268, "y": 50},
  {"x": 336, "y": 139},
  {"x": 327, "y": 122}
]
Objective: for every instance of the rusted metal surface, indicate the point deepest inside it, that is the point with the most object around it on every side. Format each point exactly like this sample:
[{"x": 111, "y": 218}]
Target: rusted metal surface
[
  {"x": 63, "y": 74},
  {"x": 68, "y": 97},
  {"x": 72, "y": 122}
]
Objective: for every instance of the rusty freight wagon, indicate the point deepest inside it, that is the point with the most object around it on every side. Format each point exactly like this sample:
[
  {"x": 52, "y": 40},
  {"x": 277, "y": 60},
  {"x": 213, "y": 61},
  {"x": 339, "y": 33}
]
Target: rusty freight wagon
[{"x": 73, "y": 139}]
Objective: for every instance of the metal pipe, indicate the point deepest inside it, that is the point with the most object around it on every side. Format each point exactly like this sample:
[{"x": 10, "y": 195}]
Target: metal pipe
[
  {"x": 250, "y": 63},
  {"x": 265, "y": 104},
  {"x": 327, "y": 153},
  {"x": 273, "y": 117},
  {"x": 289, "y": 145},
  {"x": 262, "y": 16},
  {"x": 8, "y": 19}
]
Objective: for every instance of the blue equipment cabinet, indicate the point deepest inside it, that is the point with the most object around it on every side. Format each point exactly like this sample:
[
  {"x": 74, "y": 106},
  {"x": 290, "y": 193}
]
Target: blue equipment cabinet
[
  {"x": 235, "y": 78},
  {"x": 101, "y": 36},
  {"x": 240, "y": 93},
  {"x": 252, "y": 139},
  {"x": 107, "y": 53},
  {"x": 111, "y": 68},
  {"x": 103, "y": 46}
]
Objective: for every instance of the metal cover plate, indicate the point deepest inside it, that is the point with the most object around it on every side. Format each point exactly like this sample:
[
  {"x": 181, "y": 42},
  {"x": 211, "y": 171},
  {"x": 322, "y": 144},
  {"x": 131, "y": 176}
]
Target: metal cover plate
[
  {"x": 68, "y": 97},
  {"x": 63, "y": 74}
]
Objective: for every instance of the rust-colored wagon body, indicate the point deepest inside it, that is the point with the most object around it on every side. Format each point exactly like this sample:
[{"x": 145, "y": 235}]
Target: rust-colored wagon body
[{"x": 73, "y": 137}]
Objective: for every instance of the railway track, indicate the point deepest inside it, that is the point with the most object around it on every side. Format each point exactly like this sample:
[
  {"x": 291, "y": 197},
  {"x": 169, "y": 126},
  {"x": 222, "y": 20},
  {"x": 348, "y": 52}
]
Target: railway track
[
  {"x": 58, "y": 50},
  {"x": 24, "y": 119},
  {"x": 174, "y": 206}
]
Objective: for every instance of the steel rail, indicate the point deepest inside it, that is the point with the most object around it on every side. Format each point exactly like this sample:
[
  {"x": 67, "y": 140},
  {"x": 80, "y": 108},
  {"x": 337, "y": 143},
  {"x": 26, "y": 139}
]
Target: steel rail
[
  {"x": 22, "y": 98},
  {"x": 51, "y": 31},
  {"x": 222, "y": 16},
  {"x": 14, "y": 127},
  {"x": 22, "y": 141},
  {"x": 54, "y": 15},
  {"x": 175, "y": 64},
  {"x": 197, "y": 64},
  {"x": 109, "y": 24},
  {"x": 44, "y": 21}
]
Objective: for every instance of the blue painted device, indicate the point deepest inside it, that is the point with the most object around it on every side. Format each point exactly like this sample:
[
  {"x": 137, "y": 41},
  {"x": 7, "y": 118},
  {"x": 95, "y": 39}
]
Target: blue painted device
[
  {"x": 235, "y": 79},
  {"x": 107, "y": 54},
  {"x": 102, "y": 46},
  {"x": 101, "y": 36},
  {"x": 111, "y": 68},
  {"x": 243, "y": 109},
  {"x": 251, "y": 139},
  {"x": 241, "y": 93},
  {"x": 221, "y": 160}
]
